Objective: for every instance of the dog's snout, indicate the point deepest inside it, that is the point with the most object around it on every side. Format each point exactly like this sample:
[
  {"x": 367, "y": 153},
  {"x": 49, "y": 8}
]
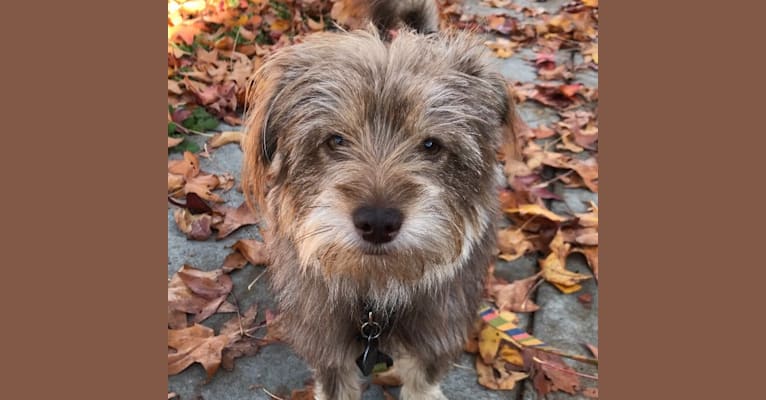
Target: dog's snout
[{"x": 377, "y": 225}]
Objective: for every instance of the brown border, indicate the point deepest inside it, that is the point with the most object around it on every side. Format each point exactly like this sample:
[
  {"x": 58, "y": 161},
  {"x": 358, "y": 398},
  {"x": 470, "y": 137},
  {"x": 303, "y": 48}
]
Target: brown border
[
  {"x": 678, "y": 267},
  {"x": 84, "y": 201}
]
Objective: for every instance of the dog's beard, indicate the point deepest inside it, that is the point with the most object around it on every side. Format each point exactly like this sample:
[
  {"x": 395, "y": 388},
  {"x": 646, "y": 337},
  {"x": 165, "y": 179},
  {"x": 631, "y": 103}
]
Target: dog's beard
[{"x": 429, "y": 249}]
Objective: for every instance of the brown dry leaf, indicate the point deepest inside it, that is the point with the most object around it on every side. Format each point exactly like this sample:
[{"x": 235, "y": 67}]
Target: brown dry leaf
[
  {"x": 175, "y": 182},
  {"x": 590, "y": 392},
  {"x": 253, "y": 250},
  {"x": 195, "y": 344},
  {"x": 188, "y": 167},
  {"x": 512, "y": 244},
  {"x": 501, "y": 47},
  {"x": 515, "y": 296},
  {"x": 198, "y": 292},
  {"x": 549, "y": 372},
  {"x": 233, "y": 261},
  {"x": 240, "y": 345},
  {"x": 173, "y": 142},
  {"x": 534, "y": 209},
  {"x": 511, "y": 355},
  {"x": 172, "y": 395},
  {"x": 553, "y": 266},
  {"x": 496, "y": 376},
  {"x": 543, "y": 132},
  {"x": 225, "y": 181},
  {"x": 591, "y": 254},
  {"x": 234, "y": 218},
  {"x": 593, "y": 349},
  {"x": 560, "y": 72},
  {"x": 472, "y": 342},
  {"x": 220, "y": 139},
  {"x": 174, "y": 87},
  {"x": 202, "y": 186},
  {"x": 195, "y": 227}
]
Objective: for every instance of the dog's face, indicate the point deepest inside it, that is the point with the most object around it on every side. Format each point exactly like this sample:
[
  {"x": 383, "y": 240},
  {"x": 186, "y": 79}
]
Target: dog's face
[{"x": 377, "y": 161}]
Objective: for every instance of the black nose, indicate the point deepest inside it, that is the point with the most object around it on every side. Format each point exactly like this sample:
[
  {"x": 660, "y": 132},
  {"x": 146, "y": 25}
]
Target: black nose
[{"x": 377, "y": 225}]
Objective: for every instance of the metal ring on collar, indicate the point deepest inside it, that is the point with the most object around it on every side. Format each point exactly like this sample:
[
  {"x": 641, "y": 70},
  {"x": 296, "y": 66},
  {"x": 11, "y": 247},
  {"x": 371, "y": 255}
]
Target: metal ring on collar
[{"x": 375, "y": 330}]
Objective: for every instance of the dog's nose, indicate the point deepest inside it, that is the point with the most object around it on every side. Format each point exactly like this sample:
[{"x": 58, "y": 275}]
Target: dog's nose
[{"x": 377, "y": 225}]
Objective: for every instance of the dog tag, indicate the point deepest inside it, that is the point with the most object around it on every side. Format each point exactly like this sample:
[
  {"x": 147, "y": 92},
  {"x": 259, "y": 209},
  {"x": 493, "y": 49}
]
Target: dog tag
[{"x": 371, "y": 360}]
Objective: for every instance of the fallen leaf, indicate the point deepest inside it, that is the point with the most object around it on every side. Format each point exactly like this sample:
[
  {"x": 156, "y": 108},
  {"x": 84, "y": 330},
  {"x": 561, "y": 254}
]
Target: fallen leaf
[
  {"x": 591, "y": 255},
  {"x": 549, "y": 372},
  {"x": 593, "y": 349},
  {"x": 496, "y": 377},
  {"x": 198, "y": 292},
  {"x": 234, "y": 218},
  {"x": 534, "y": 209},
  {"x": 188, "y": 167},
  {"x": 233, "y": 261},
  {"x": 515, "y": 296},
  {"x": 253, "y": 250},
  {"x": 195, "y": 344},
  {"x": 195, "y": 227},
  {"x": 175, "y": 182},
  {"x": 512, "y": 244},
  {"x": 590, "y": 392},
  {"x": 553, "y": 266},
  {"x": 489, "y": 343},
  {"x": 172, "y": 395},
  {"x": 220, "y": 139}
]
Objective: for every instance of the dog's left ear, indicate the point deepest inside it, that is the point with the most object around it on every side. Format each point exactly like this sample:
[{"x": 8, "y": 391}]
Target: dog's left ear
[{"x": 260, "y": 142}]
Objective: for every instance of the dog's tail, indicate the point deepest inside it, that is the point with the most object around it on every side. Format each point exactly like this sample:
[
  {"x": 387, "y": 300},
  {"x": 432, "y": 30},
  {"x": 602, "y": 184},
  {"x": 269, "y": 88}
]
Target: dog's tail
[{"x": 419, "y": 15}]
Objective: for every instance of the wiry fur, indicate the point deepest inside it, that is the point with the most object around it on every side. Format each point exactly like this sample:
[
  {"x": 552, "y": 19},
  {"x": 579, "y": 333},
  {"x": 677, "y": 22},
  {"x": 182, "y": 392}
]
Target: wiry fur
[{"x": 384, "y": 99}]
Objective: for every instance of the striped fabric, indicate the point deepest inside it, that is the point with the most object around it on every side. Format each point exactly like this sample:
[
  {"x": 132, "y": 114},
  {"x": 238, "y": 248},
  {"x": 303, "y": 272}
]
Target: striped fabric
[{"x": 490, "y": 315}]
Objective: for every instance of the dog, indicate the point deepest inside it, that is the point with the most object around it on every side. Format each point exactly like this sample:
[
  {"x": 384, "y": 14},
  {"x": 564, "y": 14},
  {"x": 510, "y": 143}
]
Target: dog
[{"x": 373, "y": 159}]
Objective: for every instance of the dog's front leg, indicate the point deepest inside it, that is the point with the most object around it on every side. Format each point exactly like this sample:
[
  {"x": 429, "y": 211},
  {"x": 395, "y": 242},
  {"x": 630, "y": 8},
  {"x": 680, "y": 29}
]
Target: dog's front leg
[
  {"x": 341, "y": 383},
  {"x": 419, "y": 381}
]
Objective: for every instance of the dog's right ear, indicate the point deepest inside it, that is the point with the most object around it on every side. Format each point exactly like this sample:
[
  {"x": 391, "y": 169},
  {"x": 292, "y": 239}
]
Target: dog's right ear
[
  {"x": 421, "y": 16},
  {"x": 260, "y": 142}
]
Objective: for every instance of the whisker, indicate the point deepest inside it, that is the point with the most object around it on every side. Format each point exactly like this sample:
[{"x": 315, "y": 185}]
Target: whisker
[{"x": 314, "y": 232}]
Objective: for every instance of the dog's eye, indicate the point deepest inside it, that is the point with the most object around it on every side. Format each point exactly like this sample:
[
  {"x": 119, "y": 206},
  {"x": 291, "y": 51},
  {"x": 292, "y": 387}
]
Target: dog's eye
[
  {"x": 431, "y": 146},
  {"x": 335, "y": 141}
]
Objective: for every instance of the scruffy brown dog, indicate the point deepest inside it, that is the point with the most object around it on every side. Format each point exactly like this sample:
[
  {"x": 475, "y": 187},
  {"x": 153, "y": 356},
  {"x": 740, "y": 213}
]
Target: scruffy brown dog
[{"x": 373, "y": 161}]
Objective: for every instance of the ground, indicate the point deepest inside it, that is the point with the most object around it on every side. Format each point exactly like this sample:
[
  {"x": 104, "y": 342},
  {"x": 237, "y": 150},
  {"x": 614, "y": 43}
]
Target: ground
[{"x": 562, "y": 321}]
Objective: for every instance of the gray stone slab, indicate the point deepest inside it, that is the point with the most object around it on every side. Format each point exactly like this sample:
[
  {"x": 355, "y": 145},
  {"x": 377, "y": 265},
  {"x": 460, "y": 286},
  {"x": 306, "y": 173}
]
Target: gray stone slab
[{"x": 567, "y": 324}]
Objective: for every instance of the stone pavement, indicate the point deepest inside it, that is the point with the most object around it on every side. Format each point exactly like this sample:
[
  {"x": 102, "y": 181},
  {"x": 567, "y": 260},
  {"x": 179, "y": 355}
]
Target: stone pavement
[{"x": 562, "y": 320}]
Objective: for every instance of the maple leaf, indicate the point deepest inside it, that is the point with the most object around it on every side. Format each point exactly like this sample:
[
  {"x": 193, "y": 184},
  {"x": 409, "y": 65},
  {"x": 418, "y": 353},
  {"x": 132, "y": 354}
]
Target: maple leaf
[
  {"x": 549, "y": 372},
  {"x": 496, "y": 376},
  {"x": 238, "y": 329},
  {"x": 489, "y": 343},
  {"x": 512, "y": 244},
  {"x": 188, "y": 167},
  {"x": 553, "y": 266},
  {"x": 515, "y": 296},
  {"x": 591, "y": 255},
  {"x": 195, "y": 344},
  {"x": 234, "y": 218}
]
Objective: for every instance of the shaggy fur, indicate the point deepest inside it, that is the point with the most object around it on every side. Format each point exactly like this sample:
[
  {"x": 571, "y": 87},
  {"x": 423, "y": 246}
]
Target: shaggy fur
[{"x": 385, "y": 100}]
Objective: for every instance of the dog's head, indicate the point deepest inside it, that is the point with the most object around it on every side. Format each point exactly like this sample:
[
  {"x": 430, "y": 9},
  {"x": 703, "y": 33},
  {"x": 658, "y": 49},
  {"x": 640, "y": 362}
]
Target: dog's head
[{"x": 378, "y": 160}]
